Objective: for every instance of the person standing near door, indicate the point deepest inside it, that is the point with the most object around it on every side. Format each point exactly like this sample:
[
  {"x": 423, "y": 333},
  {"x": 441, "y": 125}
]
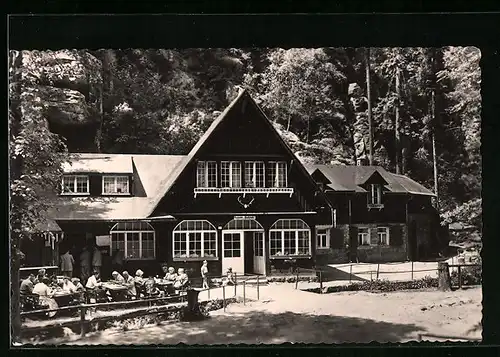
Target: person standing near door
[
  {"x": 96, "y": 260},
  {"x": 204, "y": 274},
  {"x": 85, "y": 263},
  {"x": 67, "y": 262}
]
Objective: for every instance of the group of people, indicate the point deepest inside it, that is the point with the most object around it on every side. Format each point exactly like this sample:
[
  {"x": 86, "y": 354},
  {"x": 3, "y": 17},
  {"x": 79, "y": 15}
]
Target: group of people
[
  {"x": 45, "y": 286},
  {"x": 89, "y": 260}
]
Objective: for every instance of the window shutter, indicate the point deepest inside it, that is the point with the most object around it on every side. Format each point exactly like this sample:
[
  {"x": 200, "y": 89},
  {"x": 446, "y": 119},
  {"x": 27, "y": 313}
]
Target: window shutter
[
  {"x": 336, "y": 238},
  {"x": 373, "y": 233},
  {"x": 353, "y": 233},
  {"x": 396, "y": 235}
]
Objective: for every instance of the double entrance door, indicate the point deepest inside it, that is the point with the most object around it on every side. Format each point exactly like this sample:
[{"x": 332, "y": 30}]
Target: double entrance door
[{"x": 243, "y": 251}]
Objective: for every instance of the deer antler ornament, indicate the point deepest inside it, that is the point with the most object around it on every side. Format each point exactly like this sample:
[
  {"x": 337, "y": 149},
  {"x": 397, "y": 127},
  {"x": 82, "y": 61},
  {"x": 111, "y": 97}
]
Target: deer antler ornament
[{"x": 245, "y": 205}]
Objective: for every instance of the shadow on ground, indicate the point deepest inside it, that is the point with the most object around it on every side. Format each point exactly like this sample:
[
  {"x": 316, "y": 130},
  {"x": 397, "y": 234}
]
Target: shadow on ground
[
  {"x": 256, "y": 327},
  {"x": 332, "y": 274}
]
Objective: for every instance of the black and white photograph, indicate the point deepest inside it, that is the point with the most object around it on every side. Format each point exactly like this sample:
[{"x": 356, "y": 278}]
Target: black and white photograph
[{"x": 246, "y": 195}]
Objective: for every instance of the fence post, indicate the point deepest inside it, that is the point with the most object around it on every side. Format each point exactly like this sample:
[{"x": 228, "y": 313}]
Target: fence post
[
  {"x": 459, "y": 276},
  {"x": 224, "y": 297},
  {"x": 371, "y": 275},
  {"x": 82, "y": 321},
  {"x": 208, "y": 290},
  {"x": 258, "y": 288},
  {"x": 412, "y": 270},
  {"x": 350, "y": 273},
  {"x": 297, "y": 278},
  {"x": 320, "y": 282},
  {"x": 244, "y": 293},
  {"x": 378, "y": 268},
  {"x": 234, "y": 284}
]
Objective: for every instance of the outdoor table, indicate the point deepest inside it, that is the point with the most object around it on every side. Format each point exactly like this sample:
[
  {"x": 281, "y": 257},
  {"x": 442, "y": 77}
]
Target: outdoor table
[
  {"x": 64, "y": 298},
  {"x": 165, "y": 285},
  {"x": 116, "y": 290}
]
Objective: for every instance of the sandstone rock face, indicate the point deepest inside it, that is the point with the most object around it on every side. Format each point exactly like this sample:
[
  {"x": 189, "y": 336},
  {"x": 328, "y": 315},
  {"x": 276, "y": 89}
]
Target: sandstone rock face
[{"x": 66, "y": 85}]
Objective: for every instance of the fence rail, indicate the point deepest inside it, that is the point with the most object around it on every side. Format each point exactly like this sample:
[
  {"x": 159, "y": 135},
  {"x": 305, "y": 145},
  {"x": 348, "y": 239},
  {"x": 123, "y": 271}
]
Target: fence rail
[
  {"x": 376, "y": 274},
  {"x": 241, "y": 283}
]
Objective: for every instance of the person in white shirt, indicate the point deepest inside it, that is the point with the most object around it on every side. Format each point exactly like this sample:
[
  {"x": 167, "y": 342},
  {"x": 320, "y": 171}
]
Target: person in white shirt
[
  {"x": 117, "y": 277},
  {"x": 68, "y": 286},
  {"x": 42, "y": 288},
  {"x": 129, "y": 281},
  {"x": 204, "y": 274},
  {"x": 94, "y": 281}
]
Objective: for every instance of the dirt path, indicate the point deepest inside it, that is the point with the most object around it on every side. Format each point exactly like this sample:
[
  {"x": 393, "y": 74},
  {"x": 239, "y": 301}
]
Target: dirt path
[{"x": 288, "y": 315}]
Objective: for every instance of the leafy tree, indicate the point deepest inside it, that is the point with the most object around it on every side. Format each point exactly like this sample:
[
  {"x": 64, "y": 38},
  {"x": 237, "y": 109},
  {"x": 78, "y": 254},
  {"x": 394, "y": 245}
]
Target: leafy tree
[{"x": 35, "y": 168}]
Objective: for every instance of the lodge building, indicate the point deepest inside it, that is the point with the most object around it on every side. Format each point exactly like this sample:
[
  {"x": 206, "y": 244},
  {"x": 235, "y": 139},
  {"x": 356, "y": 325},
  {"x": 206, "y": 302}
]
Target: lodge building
[{"x": 239, "y": 199}]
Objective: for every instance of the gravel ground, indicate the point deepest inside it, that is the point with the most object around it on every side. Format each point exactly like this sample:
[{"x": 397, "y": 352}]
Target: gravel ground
[{"x": 284, "y": 314}]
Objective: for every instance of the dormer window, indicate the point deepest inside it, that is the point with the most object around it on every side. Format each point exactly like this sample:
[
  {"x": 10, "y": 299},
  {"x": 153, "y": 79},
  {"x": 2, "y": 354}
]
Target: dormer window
[
  {"x": 375, "y": 194},
  {"x": 206, "y": 174},
  {"x": 115, "y": 185},
  {"x": 277, "y": 174},
  {"x": 75, "y": 185}
]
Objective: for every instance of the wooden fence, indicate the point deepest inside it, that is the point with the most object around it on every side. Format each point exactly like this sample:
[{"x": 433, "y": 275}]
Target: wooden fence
[
  {"x": 377, "y": 274},
  {"x": 242, "y": 282}
]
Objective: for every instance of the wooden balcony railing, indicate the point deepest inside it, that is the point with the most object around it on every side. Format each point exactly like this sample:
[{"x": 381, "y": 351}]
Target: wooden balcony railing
[{"x": 243, "y": 190}]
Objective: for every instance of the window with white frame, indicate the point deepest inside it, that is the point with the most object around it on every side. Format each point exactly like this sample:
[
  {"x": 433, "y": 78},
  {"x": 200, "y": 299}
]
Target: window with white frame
[
  {"x": 375, "y": 194},
  {"x": 322, "y": 238},
  {"x": 383, "y": 235},
  {"x": 232, "y": 245},
  {"x": 194, "y": 239},
  {"x": 230, "y": 174},
  {"x": 75, "y": 185},
  {"x": 363, "y": 236},
  {"x": 254, "y": 174},
  {"x": 136, "y": 240},
  {"x": 206, "y": 174},
  {"x": 276, "y": 173},
  {"x": 115, "y": 185},
  {"x": 289, "y": 237}
]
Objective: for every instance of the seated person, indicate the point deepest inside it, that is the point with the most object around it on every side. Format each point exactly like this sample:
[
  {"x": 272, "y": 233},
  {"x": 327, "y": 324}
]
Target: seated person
[
  {"x": 171, "y": 275},
  {"x": 182, "y": 279},
  {"x": 130, "y": 283},
  {"x": 229, "y": 277},
  {"x": 94, "y": 281},
  {"x": 117, "y": 277},
  {"x": 41, "y": 274},
  {"x": 27, "y": 285},
  {"x": 151, "y": 289},
  {"x": 139, "y": 277},
  {"x": 78, "y": 285},
  {"x": 68, "y": 286},
  {"x": 42, "y": 288}
]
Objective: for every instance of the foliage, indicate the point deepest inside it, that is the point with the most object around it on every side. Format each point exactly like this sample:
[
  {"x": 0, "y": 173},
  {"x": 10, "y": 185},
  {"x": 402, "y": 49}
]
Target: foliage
[
  {"x": 470, "y": 213},
  {"x": 382, "y": 286},
  {"x": 470, "y": 276}
]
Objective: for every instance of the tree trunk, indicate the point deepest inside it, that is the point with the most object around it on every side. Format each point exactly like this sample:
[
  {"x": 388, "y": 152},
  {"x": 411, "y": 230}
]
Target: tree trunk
[
  {"x": 444, "y": 279},
  {"x": 397, "y": 124},
  {"x": 16, "y": 202},
  {"x": 369, "y": 99}
]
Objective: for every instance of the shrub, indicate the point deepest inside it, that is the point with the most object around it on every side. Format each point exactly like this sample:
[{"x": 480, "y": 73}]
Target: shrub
[
  {"x": 383, "y": 285},
  {"x": 470, "y": 276}
]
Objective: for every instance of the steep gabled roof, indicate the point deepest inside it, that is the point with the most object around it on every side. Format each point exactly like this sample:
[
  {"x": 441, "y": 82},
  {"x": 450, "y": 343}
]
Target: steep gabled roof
[
  {"x": 349, "y": 178},
  {"x": 243, "y": 94}
]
